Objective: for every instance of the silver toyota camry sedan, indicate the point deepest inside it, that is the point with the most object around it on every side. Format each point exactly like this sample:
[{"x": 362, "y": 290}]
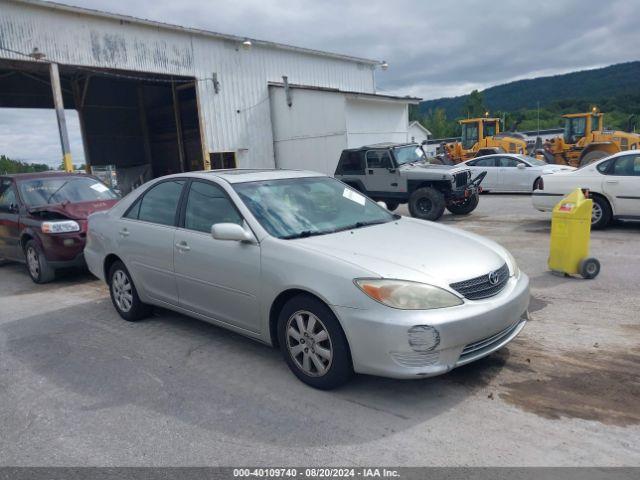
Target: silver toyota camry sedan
[{"x": 301, "y": 261}]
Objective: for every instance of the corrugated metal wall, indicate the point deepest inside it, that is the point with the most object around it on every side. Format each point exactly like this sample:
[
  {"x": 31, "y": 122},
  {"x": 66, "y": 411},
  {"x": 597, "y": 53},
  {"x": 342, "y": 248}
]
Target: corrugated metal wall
[{"x": 235, "y": 119}]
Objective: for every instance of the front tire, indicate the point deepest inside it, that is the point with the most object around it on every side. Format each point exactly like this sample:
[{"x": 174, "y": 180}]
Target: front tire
[
  {"x": 124, "y": 295},
  {"x": 313, "y": 343},
  {"x": 37, "y": 265},
  {"x": 426, "y": 203},
  {"x": 465, "y": 207},
  {"x": 601, "y": 213}
]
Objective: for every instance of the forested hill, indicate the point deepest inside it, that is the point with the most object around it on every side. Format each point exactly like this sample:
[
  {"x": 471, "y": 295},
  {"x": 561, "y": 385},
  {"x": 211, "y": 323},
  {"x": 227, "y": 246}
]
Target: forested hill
[{"x": 588, "y": 85}]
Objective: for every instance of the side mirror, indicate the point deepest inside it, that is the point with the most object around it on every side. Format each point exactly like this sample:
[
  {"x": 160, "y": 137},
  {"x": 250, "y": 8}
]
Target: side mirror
[
  {"x": 522, "y": 166},
  {"x": 230, "y": 231}
]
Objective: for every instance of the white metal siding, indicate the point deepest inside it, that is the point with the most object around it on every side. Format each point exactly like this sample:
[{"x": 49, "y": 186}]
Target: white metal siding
[
  {"x": 312, "y": 132},
  {"x": 375, "y": 121},
  {"x": 416, "y": 134},
  {"x": 235, "y": 119}
]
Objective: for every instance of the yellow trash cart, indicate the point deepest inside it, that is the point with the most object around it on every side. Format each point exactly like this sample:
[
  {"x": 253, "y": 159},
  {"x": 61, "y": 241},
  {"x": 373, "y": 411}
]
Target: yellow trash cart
[{"x": 570, "y": 234}]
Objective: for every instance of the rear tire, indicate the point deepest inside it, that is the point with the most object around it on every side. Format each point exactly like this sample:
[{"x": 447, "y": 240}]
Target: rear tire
[
  {"x": 589, "y": 268},
  {"x": 124, "y": 295},
  {"x": 592, "y": 157},
  {"x": 601, "y": 213},
  {"x": 466, "y": 207},
  {"x": 426, "y": 203},
  {"x": 536, "y": 184},
  {"x": 37, "y": 265},
  {"x": 306, "y": 327}
]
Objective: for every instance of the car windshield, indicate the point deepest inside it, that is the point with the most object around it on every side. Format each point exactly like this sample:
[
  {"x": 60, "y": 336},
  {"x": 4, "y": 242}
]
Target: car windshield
[
  {"x": 44, "y": 191},
  {"x": 302, "y": 207},
  {"x": 409, "y": 154}
]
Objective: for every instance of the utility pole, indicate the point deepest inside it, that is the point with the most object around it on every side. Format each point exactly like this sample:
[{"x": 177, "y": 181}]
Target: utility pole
[
  {"x": 538, "y": 118},
  {"x": 62, "y": 124}
]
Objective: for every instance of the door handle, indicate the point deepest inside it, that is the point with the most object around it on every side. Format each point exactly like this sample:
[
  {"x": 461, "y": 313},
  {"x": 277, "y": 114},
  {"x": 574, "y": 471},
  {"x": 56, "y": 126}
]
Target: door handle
[
  {"x": 394, "y": 184},
  {"x": 612, "y": 181},
  {"x": 370, "y": 172},
  {"x": 124, "y": 232},
  {"x": 183, "y": 247}
]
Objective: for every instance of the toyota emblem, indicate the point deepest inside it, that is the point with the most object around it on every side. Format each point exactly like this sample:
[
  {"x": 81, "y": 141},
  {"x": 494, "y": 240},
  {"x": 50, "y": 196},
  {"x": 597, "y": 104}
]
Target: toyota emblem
[{"x": 494, "y": 277}]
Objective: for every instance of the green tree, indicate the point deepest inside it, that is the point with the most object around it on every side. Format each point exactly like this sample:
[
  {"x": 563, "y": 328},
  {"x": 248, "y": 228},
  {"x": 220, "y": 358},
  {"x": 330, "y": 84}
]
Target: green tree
[
  {"x": 436, "y": 122},
  {"x": 474, "y": 105},
  {"x": 8, "y": 165}
]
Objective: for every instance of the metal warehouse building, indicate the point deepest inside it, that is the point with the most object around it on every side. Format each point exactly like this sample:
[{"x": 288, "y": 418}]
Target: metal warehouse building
[{"x": 154, "y": 98}]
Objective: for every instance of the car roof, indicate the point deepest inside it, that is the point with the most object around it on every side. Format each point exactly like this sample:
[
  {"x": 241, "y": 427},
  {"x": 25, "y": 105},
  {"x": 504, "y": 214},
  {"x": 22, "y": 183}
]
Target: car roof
[
  {"x": 240, "y": 175},
  {"x": 41, "y": 175}
]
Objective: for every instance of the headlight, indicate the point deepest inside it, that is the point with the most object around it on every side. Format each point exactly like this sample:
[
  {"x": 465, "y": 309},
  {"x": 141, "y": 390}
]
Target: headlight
[
  {"x": 514, "y": 270},
  {"x": 407, "y": 295},
  {"x": 64, "y": 226}
]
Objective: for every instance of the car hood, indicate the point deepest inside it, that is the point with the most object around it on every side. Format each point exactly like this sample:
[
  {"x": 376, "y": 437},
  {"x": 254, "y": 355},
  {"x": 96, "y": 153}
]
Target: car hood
[
  {"x": 412, "y": 249},
  {"x": 75, "y": 211}
]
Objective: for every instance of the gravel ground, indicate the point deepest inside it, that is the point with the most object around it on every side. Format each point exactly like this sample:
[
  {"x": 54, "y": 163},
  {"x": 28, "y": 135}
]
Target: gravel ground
[{"x": 80, "y": 387}]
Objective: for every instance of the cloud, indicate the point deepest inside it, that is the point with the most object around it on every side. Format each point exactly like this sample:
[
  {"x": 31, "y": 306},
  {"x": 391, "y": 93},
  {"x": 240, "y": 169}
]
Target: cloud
[
  {"x": 32, "y": 135},
  {"x": 434, "y": 48}
]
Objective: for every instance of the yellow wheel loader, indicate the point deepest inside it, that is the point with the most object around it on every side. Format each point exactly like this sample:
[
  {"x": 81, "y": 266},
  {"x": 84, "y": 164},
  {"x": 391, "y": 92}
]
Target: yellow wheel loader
[
  {"x": 585, "y": 141},
  {"x": 481, "y": 136}
]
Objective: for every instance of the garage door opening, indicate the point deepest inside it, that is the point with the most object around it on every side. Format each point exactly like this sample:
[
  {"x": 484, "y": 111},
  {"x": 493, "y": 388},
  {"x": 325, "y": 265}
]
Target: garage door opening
[{"x": 141, "y": 125}]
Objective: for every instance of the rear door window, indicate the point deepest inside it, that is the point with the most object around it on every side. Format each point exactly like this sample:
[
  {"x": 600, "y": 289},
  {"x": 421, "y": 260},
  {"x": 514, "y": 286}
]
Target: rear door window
[{"x": 158, "y": 204}]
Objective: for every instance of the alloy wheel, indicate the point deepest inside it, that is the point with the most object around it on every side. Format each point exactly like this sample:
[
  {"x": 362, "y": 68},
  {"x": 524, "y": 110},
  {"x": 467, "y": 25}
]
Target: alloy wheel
[
  {"x": 121, "y": 287},
  {"x": 309, "y": 343},
  {"x": 596, "y": 213},
  {"x": 33, "y": 263}
]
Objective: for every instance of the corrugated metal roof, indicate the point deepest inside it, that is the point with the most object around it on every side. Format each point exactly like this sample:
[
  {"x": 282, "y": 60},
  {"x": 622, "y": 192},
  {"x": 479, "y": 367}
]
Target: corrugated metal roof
[
  {"x": 189, "y": 30},
  {"x": 373, "y": 96}
]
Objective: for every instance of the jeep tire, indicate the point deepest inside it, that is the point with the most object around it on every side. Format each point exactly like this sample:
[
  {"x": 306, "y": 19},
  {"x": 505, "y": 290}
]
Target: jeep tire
[
  {"x": 465, "y": 207},
  {"x": 426, "y": 203}
]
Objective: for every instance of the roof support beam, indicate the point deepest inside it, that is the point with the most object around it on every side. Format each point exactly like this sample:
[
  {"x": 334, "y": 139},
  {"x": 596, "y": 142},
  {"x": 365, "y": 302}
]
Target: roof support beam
[
  {"x": 176, "y": 113},
  {"x": 62, "y": 123}
]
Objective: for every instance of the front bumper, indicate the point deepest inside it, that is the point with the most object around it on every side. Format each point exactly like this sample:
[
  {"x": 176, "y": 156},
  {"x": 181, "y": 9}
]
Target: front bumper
[
  {"x": 63, "y": 250},
  {"x": 378, "y": 337},
  {"x": 464, "y": 193}
]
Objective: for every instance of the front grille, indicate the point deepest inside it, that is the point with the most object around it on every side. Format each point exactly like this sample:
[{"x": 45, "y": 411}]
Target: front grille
[
  {"x": 461, "y": 178},
  {"x": 489, "y": 342},
  {"x": 415, "y": 359},
  {"x": 482, "y": 287}
]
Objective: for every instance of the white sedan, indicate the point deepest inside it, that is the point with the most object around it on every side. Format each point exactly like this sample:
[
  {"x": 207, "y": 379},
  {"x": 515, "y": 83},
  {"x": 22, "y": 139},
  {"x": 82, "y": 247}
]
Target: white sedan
[
  {"x": 511, "y": 172},
  {"x": 613, "y": 183}
]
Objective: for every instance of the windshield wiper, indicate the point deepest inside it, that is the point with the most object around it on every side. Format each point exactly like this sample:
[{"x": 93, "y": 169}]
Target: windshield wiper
[
  {"x": 304, "y": 234},
  {"x": 57, "y": 190},
  {"x": 359, "y": 225}
]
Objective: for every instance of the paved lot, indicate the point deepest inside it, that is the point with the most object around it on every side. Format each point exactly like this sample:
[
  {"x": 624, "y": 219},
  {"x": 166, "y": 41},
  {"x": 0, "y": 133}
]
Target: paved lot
[{"x": 79, "y": 386}]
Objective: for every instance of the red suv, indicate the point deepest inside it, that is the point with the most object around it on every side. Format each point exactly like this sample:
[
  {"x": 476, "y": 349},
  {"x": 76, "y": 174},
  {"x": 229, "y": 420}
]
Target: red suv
[{"x": 43, "y": 219}]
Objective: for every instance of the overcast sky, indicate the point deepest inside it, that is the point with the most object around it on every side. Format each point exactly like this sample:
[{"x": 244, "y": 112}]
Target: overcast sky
[{"x": 434, "y": 48}]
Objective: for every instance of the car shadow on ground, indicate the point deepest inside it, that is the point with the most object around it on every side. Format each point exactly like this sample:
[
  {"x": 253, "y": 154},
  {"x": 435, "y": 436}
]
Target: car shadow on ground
[
  {"x": 174, "y": 366},
  {"x": 67, "y": 277}
]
